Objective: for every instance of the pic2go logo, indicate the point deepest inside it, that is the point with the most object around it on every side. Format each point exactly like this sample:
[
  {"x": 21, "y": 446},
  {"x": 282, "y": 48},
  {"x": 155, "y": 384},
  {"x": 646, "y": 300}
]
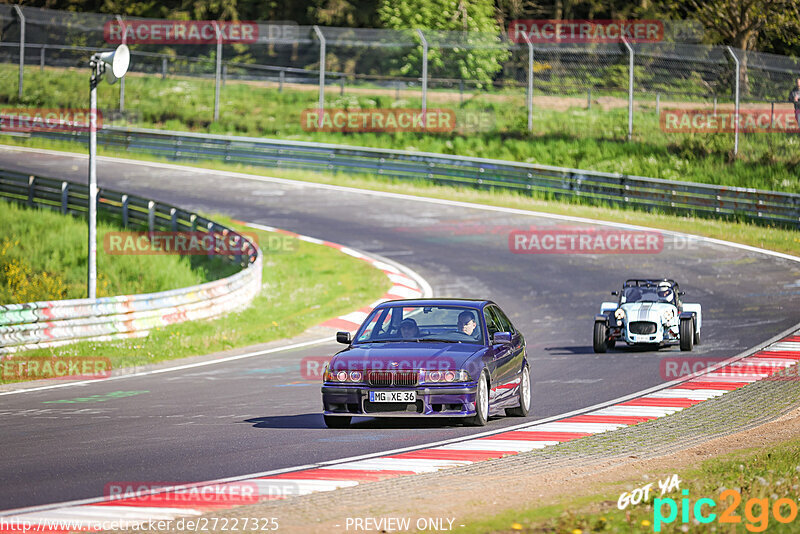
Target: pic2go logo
[{"x": 783, "y": 510}]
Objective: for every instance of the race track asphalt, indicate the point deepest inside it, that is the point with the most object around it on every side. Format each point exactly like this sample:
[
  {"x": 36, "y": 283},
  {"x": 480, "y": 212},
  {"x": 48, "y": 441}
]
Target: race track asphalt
[{"x": 258, "y": 414}]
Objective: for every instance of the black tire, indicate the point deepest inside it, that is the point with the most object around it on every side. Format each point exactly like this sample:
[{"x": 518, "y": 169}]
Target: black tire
[
  {"x": 524, "y": 396},
  {"x": 337, "y": 421},
  {"x": 600, "y": 335},
  {"x": 687, "y": 334},
  {"x": 697, "y": 338},
  {"x": 481, "y": 403}
]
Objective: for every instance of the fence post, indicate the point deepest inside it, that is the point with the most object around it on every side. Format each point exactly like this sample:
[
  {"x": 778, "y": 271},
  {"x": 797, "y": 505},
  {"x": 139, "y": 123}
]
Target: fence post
[
  {"x": 589, "y": 99},
  {"x": 321, "y": 73},
  {"x": 658, "y": 103},
  {"x": 124, "y": 211},
  {"x": 218, "y": 71},
  {"x": 21, "y": 48},
  {"x": 281, "y": 78},
  {"x": 41, "y": 58},
  {"x": 341, "y": 83},
  {"x": 31, "y": 189},
  {"x": 224, "y": 74},
  {"x": 122, "y": 80},
  {"x": 630, "y": 87},
  {"x": 424, "y": 76},
  {"x": 736, "y": 99},
  {"x": 151, "y": 216},
  {"x": 529, "y": 96},
  {"x": 164, "y": 67},
  {"x": 64, "y": 197}
]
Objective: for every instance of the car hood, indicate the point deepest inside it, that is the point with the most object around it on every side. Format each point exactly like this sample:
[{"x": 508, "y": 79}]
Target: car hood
[
  {"x": 411, "y": 355},
  {"x": 646, "y": 311}
]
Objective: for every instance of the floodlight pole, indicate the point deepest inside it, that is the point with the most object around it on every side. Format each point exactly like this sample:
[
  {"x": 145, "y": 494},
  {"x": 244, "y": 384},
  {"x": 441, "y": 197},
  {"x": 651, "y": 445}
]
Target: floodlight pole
[
  {"x": 21, "y": 48},
  {"x": 217, "y": 71},
  {"x": 630, "y": 87},
  {"x": 96, "y": 65}
]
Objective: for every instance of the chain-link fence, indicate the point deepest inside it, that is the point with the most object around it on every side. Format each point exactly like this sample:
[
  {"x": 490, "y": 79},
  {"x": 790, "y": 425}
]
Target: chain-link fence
[{"x": 604, "y": 90}]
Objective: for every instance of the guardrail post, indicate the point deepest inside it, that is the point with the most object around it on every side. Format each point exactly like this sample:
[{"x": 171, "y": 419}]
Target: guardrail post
[
  {"x": 630, "y": 87},
  {"x": 164, "y": 67},
  {"x": 193, "y": 221},
  {"x": 210, "y": 227},
  {"x": 151, "y": 216},
  {"x": 21, "y": 48},
  {"x": 218, "y": 71},
  {"x": 41, "y": 58},
  {"x": 173, "y": 219},
  {"x": 31, "y": 192},
  {"x": 424, "y": 76},
  {"x": 124, "y": 211},
  {"x": 529, "y": 96},
  {"x": 321, "y": 106},
  {"x": 64, "y": 197},
  {"x": 736, "y": 97},
  {"x": 281, "y": 79}
]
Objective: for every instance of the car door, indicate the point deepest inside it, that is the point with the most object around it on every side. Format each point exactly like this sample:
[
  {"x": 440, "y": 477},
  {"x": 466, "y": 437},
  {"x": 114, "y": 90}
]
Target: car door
[{"x": 503, "y": 357}]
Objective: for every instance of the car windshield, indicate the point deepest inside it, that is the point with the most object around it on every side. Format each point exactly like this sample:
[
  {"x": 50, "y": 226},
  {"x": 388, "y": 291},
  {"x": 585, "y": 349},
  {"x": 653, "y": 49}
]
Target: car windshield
[
  {"x": 647, "y": 294},
  {"x": 442, "y": 324}
]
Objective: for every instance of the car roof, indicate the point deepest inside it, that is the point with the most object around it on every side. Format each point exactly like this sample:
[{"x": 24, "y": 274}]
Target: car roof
[{"x": 466, "y": 303}]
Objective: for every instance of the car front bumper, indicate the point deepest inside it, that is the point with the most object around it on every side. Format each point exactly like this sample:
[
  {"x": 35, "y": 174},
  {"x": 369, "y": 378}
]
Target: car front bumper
[{"x": 447, "y": 401}]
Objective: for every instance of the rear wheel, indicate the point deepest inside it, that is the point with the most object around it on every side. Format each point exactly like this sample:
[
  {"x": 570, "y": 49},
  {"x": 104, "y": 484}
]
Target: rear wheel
[
  {"x": 600, "y": 335},
  {"x": 481, "y": 403},
  {"x": 524, "y": 395},
  {"x": 687, "y": 334},
  {"x": 337, "y": 421},
  {"x": 697, "y": 338}
]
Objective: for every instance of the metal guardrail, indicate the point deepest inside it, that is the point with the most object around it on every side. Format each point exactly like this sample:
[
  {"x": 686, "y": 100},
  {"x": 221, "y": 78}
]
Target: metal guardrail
[
  {"x": 52, "y": 323},
  {"x": 768, "y": 207}
]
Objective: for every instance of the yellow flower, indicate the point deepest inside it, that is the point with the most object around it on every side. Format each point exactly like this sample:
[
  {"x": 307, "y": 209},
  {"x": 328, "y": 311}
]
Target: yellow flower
[
  {"x": 516, "y": 526},
  {"x": 577, "y": 531},
  {"x": 645, "y": 523}
]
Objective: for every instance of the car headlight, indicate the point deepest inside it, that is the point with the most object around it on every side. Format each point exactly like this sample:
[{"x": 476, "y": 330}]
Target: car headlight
[
  {"x": 342, "y": 376},
  {"x": 667, "y": 315},
  {"x": 619, "y": 314},
  {"x": 445, "y": 377}
]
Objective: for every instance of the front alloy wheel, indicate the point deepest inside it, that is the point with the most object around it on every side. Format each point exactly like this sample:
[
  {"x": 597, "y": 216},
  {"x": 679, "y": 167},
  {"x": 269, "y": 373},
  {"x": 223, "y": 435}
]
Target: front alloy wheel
[
  {"x": 524, "y": 395},
  {"x": 481, "y": 403}
]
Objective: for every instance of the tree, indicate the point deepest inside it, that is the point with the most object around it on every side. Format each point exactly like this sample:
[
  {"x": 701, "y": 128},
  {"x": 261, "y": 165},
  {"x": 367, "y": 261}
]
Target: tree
[
  {"x": 477, "y": 56},
  {"x": 744, "y": 24}
]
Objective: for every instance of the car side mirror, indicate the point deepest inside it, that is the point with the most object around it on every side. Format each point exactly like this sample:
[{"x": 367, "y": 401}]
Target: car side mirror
[
  {"x": 615, "y": 293},
  {"x": 344, "y": 337},
  {"x": 501, "y": 338}
]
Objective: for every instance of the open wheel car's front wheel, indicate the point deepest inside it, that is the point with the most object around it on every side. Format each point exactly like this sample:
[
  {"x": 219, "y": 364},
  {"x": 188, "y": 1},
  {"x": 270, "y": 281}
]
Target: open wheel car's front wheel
[
  {"x": 481, "y": 403},
  {"x": 599, "y": 343},
  {"x": 687, "y": 334}
]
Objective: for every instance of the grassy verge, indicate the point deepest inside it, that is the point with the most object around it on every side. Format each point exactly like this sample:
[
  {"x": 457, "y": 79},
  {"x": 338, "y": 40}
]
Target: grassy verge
[
  {"x": 572, "y": 137},
  {"x": 765, "y": 475},
  {"x": 772, "y": 238},
  {"x": 43, "y": 257},
  {"x": 324, "y": 283}
]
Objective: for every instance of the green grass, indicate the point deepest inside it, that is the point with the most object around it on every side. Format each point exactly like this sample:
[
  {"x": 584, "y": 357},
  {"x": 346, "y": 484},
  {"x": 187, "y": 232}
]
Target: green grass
[
  {"x": 43, "y": 257},
  {"x": 303, "y": 284},
  {"x": 768, "y": 473},
  {"x": 767, "y": 237},
  {"x": 578, "y": 138}
]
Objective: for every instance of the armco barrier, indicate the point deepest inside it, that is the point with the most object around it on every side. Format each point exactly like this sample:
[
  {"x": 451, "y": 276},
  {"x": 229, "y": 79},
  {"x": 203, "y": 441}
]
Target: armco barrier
[
  {"x": 611, "y": 188},
  {"x": 43, "y": 324}
]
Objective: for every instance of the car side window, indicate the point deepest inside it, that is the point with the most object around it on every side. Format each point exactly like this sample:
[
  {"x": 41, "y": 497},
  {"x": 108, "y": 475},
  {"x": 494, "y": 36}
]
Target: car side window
[
  {"x": 505, "y": 323},
  {"x": 492, "y": 324}
]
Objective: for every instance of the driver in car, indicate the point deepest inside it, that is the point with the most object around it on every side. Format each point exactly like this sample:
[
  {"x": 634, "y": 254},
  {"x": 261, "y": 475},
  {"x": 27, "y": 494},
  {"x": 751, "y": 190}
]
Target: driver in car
[
  {"x": 466, "y": 323},
  {"x": 665, "y": 293},
  {"x": 409, "y": 329}
]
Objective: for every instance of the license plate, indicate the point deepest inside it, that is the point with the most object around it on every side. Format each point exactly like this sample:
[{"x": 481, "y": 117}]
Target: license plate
[{"x": 393, "y": 396}]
